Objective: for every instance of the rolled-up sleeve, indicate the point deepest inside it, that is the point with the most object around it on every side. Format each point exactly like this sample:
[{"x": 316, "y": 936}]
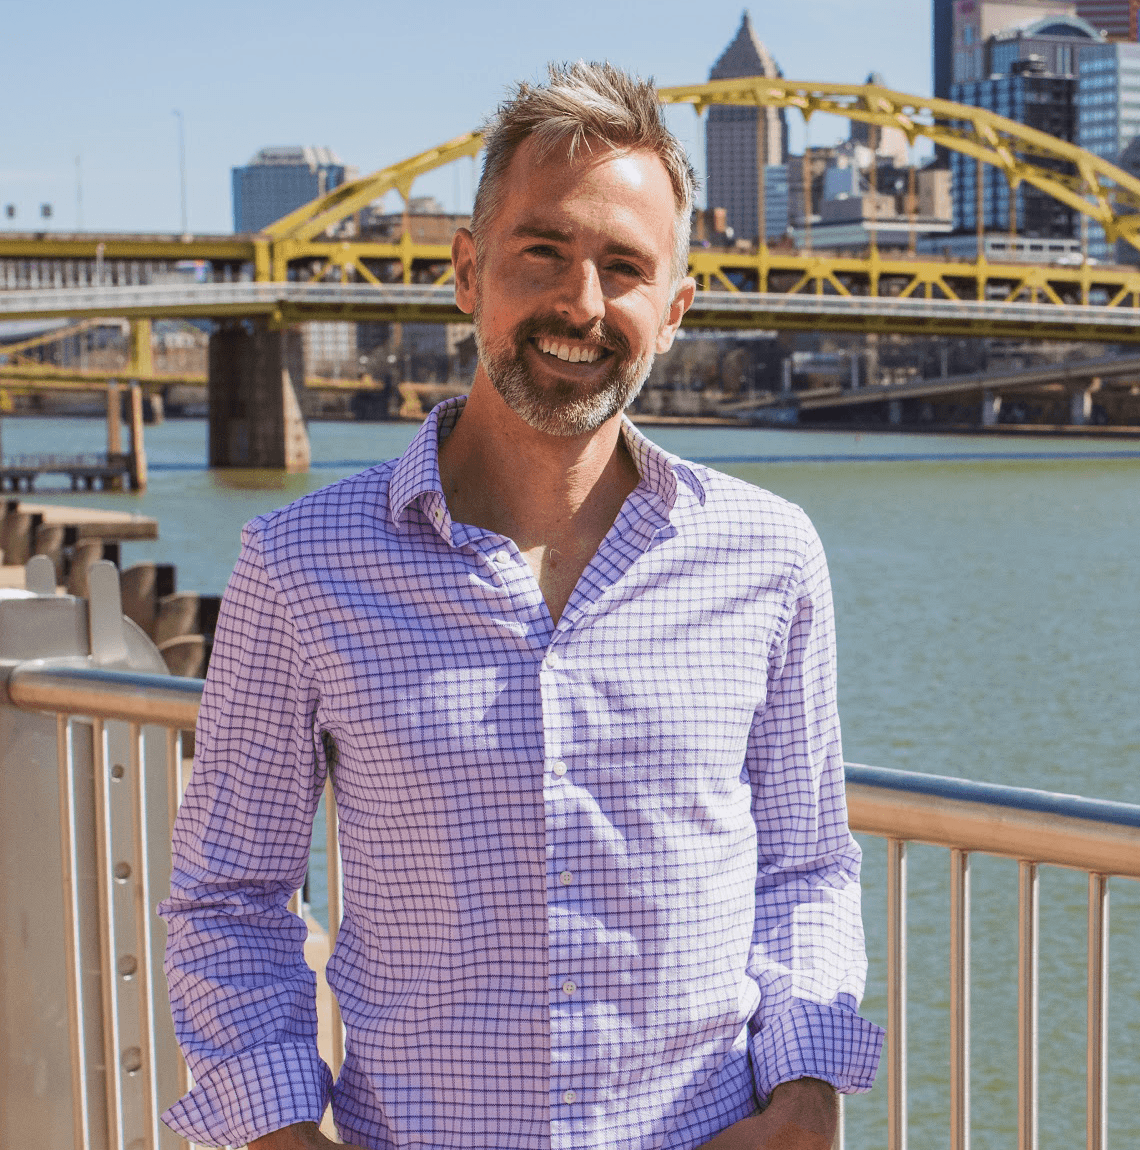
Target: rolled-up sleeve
[
  {"x": 242, "y": 995},
  {"x": 807, "y": 956}
]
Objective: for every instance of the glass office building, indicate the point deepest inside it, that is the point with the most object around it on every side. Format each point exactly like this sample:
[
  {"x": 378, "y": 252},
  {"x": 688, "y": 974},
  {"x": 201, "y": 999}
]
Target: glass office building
[
  {"x": 279, "y": 180},
  {"x": 1039, "y": 100},
  {"x": 1108, "y": 120}
]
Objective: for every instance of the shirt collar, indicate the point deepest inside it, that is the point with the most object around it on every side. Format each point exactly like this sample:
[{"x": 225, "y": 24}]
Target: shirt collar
[
  {"x": 416, "y": 474},
  {"x": 667, "y": 476},
  {"x": 417, "y": 470}
]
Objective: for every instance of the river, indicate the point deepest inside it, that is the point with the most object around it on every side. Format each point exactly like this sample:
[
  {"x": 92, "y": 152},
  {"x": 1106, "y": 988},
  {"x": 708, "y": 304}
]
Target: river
[{"x": 987, "y": 603}]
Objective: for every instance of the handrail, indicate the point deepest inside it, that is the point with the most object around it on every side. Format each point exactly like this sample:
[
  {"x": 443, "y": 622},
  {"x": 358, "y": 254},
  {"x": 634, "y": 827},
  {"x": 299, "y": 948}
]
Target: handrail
[
  {"x": 103, "y": 693},
  {"x": 1012, "y": 822},
  {"x": 1094, "y": 835}
]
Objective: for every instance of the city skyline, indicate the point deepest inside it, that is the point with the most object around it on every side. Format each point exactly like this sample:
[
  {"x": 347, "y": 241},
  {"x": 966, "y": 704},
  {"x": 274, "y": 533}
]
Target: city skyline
[{"x": 254, "y": 75}]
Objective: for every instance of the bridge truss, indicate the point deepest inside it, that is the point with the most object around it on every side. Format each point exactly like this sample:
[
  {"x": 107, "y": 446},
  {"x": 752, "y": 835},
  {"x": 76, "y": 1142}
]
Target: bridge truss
[{"x": 315, "y": 244}]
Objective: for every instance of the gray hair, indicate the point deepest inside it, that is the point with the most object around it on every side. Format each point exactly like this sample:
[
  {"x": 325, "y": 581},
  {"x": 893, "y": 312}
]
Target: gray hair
[{"x": 579, "y": 104}]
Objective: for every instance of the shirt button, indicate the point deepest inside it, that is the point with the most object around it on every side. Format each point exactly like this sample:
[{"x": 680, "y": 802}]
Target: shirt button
[
  {"x": 569, "y": 986},
  {"x": 501, "y": 558},
  {"x": 566, "y": 878},
  {"x": 569, "y": 1096},
  {"x": 559, "y": 769},
  {"x": 551, "y": 659}
]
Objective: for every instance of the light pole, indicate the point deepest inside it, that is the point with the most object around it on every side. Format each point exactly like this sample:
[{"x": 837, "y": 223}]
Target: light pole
[{"x": 182, "y": 165}]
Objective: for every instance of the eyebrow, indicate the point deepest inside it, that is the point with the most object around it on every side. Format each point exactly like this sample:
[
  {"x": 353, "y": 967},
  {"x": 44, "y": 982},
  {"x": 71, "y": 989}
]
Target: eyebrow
[{"x": 534, "y": 232}]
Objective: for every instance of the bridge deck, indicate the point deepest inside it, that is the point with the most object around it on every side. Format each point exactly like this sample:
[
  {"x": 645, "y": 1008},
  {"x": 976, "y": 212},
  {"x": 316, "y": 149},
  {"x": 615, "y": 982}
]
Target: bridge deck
[{"x": 286, "y": 303}]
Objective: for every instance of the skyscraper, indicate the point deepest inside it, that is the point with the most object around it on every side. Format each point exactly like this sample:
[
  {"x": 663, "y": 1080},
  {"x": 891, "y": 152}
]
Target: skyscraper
[
  {"x": 943, "y": 47},
  {"x": 278, "y": 180},
  {"x": 736, "y": 138},
  {"x": 1118, "y": 18},
  {"x": 1108, "y": 121},
  {"x": 1040, "y": 99},
  {"x": 1029, "y": 74},
  {"x": 975, "y": 21}
]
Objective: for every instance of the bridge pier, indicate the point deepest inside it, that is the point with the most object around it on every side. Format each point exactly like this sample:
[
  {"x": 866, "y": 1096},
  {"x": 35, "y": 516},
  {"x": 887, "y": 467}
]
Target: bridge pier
[{"x": 254, "y": 396}]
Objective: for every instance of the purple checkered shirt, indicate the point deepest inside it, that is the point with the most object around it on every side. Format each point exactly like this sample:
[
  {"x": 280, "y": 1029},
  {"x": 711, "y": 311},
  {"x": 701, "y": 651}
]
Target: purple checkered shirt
[{"x": 599, "y": 887}]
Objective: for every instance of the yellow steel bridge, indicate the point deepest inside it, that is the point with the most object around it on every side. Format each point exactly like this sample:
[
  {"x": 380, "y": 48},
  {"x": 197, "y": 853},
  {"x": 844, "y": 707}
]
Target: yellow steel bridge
[{"x": 314, "y": 245}]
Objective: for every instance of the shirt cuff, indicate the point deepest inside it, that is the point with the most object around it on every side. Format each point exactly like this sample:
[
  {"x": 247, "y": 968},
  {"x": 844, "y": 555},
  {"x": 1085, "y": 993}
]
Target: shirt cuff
[
  {"x": 813, "y": 1040},
  {"x": 253, "y": 1094}
]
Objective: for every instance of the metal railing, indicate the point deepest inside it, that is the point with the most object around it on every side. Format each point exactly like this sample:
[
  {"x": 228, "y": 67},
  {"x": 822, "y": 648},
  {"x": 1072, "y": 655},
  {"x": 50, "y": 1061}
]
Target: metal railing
[
  {"x": 1034, "y": 828},
  {"x": 723, "y": 308}
]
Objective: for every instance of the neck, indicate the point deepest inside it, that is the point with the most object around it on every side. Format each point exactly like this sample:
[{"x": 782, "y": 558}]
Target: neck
[{"x": 538, "y": 489}]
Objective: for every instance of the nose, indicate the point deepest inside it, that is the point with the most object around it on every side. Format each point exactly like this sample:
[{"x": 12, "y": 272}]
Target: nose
[{"x": 582, "y": 301}]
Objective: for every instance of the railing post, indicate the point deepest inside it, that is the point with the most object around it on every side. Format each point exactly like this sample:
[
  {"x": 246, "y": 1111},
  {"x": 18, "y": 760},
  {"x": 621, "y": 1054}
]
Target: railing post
[
  {"x": 1028, "y": 895},
  {"x": 144, "y": 950},
  {"x": 1097, "y": 1055},
  {"x": 69, "y": 858},
  {"x": 107, "y": 940},
  {"x": 896, "y": 995},
  {"x": 959, "y": 1000}
]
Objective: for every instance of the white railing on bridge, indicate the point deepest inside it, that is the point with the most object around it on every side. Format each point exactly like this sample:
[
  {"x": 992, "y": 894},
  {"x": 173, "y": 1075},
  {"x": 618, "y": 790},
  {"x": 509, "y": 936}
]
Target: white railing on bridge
[{"x": 108, "y": 714}]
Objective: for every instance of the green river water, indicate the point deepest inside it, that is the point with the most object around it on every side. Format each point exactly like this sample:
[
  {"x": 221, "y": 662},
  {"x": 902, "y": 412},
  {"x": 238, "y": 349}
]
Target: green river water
[{"x": 987, "y": 603}]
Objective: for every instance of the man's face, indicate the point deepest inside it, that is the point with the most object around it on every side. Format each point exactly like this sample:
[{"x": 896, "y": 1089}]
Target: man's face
[{"x": 573, "y": 294}]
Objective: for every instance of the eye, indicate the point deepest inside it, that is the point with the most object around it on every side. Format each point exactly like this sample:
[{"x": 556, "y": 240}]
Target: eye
[
  {"x": 625, "y": 268},
  {"x": 545, "y": 251}
]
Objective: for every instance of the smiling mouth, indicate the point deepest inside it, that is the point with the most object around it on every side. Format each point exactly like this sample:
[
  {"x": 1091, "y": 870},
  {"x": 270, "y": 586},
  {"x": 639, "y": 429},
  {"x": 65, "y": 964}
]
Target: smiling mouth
[{"x": 570, "y": 351}]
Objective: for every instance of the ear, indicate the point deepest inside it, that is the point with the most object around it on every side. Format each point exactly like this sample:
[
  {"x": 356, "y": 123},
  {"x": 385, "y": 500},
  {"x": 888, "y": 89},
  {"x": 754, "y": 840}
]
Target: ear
[
  {"x": 463, "y": 261},
  {"x": 682, "y": 301}
]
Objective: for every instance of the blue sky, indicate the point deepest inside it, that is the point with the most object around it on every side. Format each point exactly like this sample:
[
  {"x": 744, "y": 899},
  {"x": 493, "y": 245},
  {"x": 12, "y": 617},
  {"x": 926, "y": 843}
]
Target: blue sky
[{"x": 376, "y": 81}]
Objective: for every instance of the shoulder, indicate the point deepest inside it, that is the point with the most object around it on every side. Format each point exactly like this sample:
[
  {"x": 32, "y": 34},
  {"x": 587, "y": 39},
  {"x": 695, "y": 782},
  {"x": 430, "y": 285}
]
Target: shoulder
[
  {"x": 326, "y": 527},
  {"x": 731, "y": 512}
]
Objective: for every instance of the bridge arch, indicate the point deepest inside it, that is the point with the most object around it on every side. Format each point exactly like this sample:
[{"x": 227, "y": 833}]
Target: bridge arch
[{"x": 1085, "y": 182}]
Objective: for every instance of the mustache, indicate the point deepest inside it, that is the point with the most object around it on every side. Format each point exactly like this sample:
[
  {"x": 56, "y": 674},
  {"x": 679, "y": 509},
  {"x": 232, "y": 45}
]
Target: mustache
[{"x": 555, "y": 327}]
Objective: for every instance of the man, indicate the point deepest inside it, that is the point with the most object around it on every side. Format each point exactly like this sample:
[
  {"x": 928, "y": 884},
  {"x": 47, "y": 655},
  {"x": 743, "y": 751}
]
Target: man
[{"x": 599, "y": 888}]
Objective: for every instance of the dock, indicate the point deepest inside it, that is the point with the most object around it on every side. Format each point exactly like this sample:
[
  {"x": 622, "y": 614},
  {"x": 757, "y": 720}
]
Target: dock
[
  {"x": 110, "y": 470},
  {"x": 72, "y": 537},
  {"x": 91, "y": 471}
]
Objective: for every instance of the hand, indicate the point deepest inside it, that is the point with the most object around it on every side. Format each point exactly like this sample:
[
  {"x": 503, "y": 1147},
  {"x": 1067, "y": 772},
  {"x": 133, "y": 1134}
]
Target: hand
[
  {"x": 801, "y": 1115},
  {"x": 302, "y": 1136}
]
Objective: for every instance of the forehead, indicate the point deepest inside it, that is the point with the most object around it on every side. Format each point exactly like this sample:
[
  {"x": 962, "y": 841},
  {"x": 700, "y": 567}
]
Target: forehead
[{"x": 600, "y": 187}]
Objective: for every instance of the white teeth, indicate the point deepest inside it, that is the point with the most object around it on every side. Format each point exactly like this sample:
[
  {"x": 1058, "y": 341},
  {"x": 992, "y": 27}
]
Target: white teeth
[{"x": 568, "y": 354}]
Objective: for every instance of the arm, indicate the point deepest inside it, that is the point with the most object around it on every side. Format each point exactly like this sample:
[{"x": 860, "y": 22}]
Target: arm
[
  {"x": 801, "y": 1115},
  {"x": 807, "y": 956},
  {"x": 241, "y": 994},
  {"x": 303, "y": 1136}
]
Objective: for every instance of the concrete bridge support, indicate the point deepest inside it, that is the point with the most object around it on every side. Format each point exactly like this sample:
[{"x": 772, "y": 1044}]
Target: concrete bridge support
[{"x": 255, "y": 381}]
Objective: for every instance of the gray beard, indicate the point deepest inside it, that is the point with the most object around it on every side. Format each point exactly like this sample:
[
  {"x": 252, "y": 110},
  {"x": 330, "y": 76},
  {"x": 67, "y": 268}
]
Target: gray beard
[{"x": 563, "y": 409}]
